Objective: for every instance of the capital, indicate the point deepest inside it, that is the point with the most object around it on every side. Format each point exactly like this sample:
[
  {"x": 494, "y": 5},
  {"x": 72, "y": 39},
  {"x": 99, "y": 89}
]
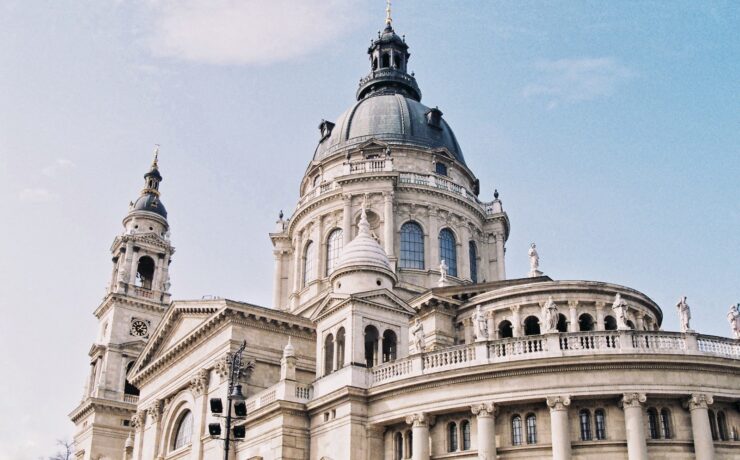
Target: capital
[
  {"x": 484, "y": 409},
  {"x": 138, "y": 420},
  {"x": 199, "y": 383},
  {"x": 420, "y": 419},
  {"x": 699, "y": 401},
  {"x": 633, "y": 399},
  {"x": 515, "y": 308},
  {"x": 155, "y": 410},
  {"x": 558, "y": 402},
  {"x": 572, "y": 303}
]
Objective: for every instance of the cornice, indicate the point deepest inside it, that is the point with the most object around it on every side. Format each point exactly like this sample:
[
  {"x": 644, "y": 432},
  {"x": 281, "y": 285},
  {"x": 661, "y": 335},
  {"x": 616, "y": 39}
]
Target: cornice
[
  {"x": 90, "y": 405},
  {"x": 126, "y": 300}
]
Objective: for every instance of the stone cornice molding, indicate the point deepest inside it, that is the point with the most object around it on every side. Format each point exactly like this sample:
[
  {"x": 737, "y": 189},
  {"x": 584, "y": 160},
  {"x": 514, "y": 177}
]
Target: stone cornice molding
[
  {"x": 633, "y": 399},
  {"x": 484, "y": 409},
  {"x": 98, "y": 404},
  {"x": 420, "y": 419},
  {"x": 699, "y": 401},
  {"x": 125, "y": 300},
  {"x": 558, "y": 402},
  {"x": 199, "y": 383}
]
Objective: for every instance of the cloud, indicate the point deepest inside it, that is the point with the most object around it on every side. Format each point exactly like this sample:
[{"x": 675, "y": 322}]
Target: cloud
[
  {"x": 567, "y": 81},
  {"x": 59, "y": 166},
  {"x": 247, "y": 31},
  {"x": 36, "y": 195}
]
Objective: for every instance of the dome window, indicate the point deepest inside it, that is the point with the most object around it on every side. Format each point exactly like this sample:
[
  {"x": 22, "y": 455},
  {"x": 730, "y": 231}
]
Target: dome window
[
  {"x": 440, "y": 168},
  {"x": 434, "y": 118},
  {"x": 325, "y": 127}
]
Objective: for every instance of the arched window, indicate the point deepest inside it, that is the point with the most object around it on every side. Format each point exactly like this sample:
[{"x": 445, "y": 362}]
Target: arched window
[
  {"x": 409, "y": 444},
  {"x": 452, "y": 437},
  {"x": 600, "y": 417},
  {"x": 385, "y": 60},
  {"x": 610, "y": 324},
  {"x": 448, "y": 250},
  {"x": 505, "y": 330},
  {"x": 585, "y": 418},
  {"x": 722, "y": 426},
  {"x": 465, "y": 429},
  {"x": 183, "y": 431},
  {"x": 333, "y": 249},
  {"x": 371, "y": 346},
  {"x": 473, "y": 256},
  {"x": 585, "y": 322},
  {"x": 713, "y": 425},
  {"x": 412, "y": 246},
  {"x": 531, "y": 429},
  {"x": 128, "y": 388},
  {"x": 440, "y": 168},
  {"x": 328, "y": 354},
  {"x": 390, "y": 344},
  {"x": 630, "y": 324},
  {"x": 562, "y": 323},
  {"x": 340, "y": 348},
  {"x": 653, "y": 423},
  {"x": 516, "y": 430},
  {"x": 531, "y": 325},
  {"x": 309, "y": 254},
  {"x": 145, "y": 272},
  {"x": 398, "y": 446},
  {"x": 665, "y": 423}
]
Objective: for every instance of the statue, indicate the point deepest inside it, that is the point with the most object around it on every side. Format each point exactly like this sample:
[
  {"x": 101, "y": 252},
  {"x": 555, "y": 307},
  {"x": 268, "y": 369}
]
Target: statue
[
  {"x": 534, "y": 262},
  {"x": 620, "y": 310},
  {"x": 417, "y": 331},
  {"x": 733, "y": 316},
  {"x": 684, "y": 314},
  {"x": 550, "y": 313},
  {"x": 123, "y": 276},
  {"x": 442, "y": 273},
  {"x": 480, "y": 325},
  {"x": 167, "y": 284}
]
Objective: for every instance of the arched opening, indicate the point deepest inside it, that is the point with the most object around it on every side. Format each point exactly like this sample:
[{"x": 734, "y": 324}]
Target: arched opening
[
  {"x": 630, "y": 324},
  {"x": 505, "y": 330},
  {"x": 389, "y": 346},
  {"x": 409, "y": 443},
  {"x": 562, "y": 323},
  {"x": 398, "y": 446},
  {"x": 328, "y": 354},
  {"x": 722, "y": 426},
  {"x": 371, "y": 346},
  {"x": 473, "y": 256},
  {"x": 340, "y": 348},
  {"x": 448, "y": 250},
  {"x": 531, "y": 325},
  {"x": 516, "y": 430},
  {"x": 145, "y": 272},
  {"x": 375, "y": 63},
  {"x": 465, "y": 429},
  {"x": 412, "y": 246},
  {"x": 713, "y": 425},
  {"x": 585, "y": 422},
  {"x": 451, "y": 437},
  {"x": 531, "y": 429},
  {"x": 665, "y": 423},
  {"x": 334, "y": 245},
  {"x": 128, "y": 388},
  {"x": 600, "y": 417},
  {"x": 385, "y": 61},
  {"x": 309, "y": 254},
  {"x": 610, "y": 323},
  {"x": 396, "y": 61},
  {"x": 653, "y": 423},
  {"x": 183, "y": 430},
  {"x": 585, "y": 322}
]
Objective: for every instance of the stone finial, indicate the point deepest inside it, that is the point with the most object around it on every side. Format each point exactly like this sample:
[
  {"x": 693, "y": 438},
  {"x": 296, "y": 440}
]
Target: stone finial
[
  {"x": 733, "y": 316},
  {"x": 558, "y": 402},
  {"x": 129, "y": 444},
  {"x": 484, "y": 409},
  {"x": 684, "y": 314},
  {"x": 699, "y": 401},
  {"x": 534, "y": 261},
  {"x": 633, "y": 399},
  {"x": 289, "y": 350}
]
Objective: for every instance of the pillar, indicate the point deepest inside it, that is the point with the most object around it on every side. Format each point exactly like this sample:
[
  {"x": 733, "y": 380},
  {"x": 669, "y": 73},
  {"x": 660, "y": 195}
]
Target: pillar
[
  {"x": 277, "y": 278},
  {"x": 573, "y": 315},
  {"x": 516, "y": 321},
  {"x": 346, "y": 220},
  {"x": 433, "y": 240},
  {"x": 600, "y": 316},
  {"x": 701, "y": 430},
  {"x": 390, "y": 227},
  {"x": 463, "y": 253},
  {"x": 486, "y": 419},
  {"x": 155, "y": 413},
  {"x": 559, "y": 426},
  {"x": 634, "y": 426},
  {"x": 420, "y": 433},
  {"x": 199, "y": 389},
  {"x": 468, "y": 329},
  {"x": 500, "y": 267},
  {"x": 490, "y": 324},
  {"x": 297, "y": 256},
  {"x": 379, "y": 354}
]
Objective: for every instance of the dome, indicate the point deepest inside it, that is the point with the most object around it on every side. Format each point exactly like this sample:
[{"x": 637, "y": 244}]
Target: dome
[
  {"x": 391, "y": 118},
  {"x": 363, "y": 251},
  {"x": 150, "y": 202}
]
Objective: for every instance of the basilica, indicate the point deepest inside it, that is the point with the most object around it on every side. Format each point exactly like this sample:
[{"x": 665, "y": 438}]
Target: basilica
[{"x": 394, "y": 332}]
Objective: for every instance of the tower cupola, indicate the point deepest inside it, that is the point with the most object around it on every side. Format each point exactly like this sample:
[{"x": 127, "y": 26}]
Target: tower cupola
[{"x": 149, "y": 200}]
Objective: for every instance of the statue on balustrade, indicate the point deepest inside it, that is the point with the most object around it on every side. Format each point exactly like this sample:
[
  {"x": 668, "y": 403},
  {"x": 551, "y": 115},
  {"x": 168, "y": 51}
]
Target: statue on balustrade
[
  {"x": 550, "y": 313},
  {"x": 620, "y": 310},
  {"x": 480, "y": 324},
  {"x": 734, "y": 318},
  {"x": 417, "y": 331},
  {"x": 443, "y": 268},
  {"x": 684, "y": 314}
]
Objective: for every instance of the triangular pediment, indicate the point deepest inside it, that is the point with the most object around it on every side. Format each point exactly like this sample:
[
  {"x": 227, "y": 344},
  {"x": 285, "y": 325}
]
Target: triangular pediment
[{"x": 381, "y": 298}]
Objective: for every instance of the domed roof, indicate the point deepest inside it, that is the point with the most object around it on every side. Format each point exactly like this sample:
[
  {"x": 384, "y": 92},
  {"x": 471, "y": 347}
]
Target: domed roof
[
  {"x": 150, "y": 202},
  {"x": 392, "y": 118},
  {"x": 363, "y": 250}
]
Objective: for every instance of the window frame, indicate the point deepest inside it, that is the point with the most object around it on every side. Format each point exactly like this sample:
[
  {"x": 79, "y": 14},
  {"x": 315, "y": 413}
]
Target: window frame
[
  {"x": 516, "y": 430},
  {"x": 411, "y": 241},
  {"x": 185, "y": 415},
  {"x": 473, "y": 256},
  {"x": 334, "y": 246},
  {"x": 584, "y": 422},
  {"x": 531, "y": 428},
  {"x": 600, "y": 424},
  {"x": 309, "y": 263},
  {"x": 448, "y": 250},
  {"x": 452, "y": 437}
]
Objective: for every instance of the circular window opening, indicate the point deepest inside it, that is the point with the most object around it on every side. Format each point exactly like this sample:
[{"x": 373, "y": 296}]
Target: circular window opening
[{"x": 378, "y": 282}]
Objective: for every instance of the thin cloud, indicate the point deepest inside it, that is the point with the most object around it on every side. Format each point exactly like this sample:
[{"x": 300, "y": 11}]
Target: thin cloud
[
  {"x": 60, "y": 166},
  {"x": 37, "y": 195},
  {"x": 246, "y": 32},
  {"x": 567, "y": 81}
]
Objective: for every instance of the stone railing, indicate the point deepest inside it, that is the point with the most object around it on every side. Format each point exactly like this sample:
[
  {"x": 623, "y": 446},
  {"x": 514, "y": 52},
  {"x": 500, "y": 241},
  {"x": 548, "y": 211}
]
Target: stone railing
[
  {"x": 441, "y": 183},
  {"x": 143, "y": 292},
  {"x": 131, "y": 399},
  {"x": 317, "y": 191},
  {"x": 372, "y": 165},
  {"x": 284, "y": 390},
  {"x": 551, "y": 346}
]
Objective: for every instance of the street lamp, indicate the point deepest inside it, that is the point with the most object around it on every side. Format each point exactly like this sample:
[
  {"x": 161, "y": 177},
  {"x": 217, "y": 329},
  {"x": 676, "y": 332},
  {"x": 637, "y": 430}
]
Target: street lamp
[{"x": 234, "y": 398}]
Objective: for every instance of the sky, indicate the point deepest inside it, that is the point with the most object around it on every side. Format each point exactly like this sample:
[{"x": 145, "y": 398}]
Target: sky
[{"x": 610, "y": 129}]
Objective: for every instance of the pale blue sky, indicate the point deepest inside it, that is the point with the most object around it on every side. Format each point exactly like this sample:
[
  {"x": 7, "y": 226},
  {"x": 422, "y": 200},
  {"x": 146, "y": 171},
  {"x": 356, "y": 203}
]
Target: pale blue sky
[{"x": 611, "y": 129}]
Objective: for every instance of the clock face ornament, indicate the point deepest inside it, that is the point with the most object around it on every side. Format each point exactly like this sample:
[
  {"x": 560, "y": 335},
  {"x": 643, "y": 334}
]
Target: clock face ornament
[{"x": 139, "y": 327}]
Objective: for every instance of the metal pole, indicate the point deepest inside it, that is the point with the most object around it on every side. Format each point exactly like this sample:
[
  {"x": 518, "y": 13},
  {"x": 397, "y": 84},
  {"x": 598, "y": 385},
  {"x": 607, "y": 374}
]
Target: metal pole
[{"x": 236, "y": 367}]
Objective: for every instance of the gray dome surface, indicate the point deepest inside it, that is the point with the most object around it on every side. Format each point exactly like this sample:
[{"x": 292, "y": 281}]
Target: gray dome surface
[
  {"x": 391, "y": 118},
  {"x": 150, "y": 202}
]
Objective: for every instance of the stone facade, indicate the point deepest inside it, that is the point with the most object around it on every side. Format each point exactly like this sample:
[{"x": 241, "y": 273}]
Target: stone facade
[{"x": 394, "y": 331}]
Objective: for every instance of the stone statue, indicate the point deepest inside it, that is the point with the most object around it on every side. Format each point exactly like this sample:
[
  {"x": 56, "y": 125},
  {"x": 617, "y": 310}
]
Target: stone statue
[
  {"x": 442, "y": 273},
  {"x": 733, "y": 316},
  {"x": 534, "y": 261},
  {"x": 620, "y": 310},
  {"x": 417, "y": 331},
  {"x": 123, "y": 276},
  {"x": 167, "y": 284},
  {"x": 684, "y": 314},
  {"x": 550, "y": 313},
  {"x": 480, "y": 325}
]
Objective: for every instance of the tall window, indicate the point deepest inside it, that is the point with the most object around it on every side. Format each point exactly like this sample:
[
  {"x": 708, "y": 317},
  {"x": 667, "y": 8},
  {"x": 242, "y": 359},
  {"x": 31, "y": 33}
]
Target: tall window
[
  {"x": 340, "y": 348},
  {"x": 465, "y": 428},
  {"x": 309, "y": 254},
  {"x": 713, "y": 425},
  {"x": 409, "y": 444},
  {"x": 389, "y": 345},
  {"x": 398, "y": 447},
  {"x": 452, "y": 437},
  {"x": 412, "y": 246},
  {"x": 473, "y": 255},
  {"x": 516, "y": 430},
  {"x": 531, "y": 429},
  {"x": 585, "y": 418},
  {"x": 128, "y": 388},
  {"x": 600, "y": 417},
  {"x": 328, "y": 354},
  {"x": 184, "y": 430},
  {"x": 665, "y": 423},
  {"x": 333, "y": 249},
  {"x": 722, "y": 426},
  {"x": 653, "y": 423},
  {"x": 448, "y": 250}
]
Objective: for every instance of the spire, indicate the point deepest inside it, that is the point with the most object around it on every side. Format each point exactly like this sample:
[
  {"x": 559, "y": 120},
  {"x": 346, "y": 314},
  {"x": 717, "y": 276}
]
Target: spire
[
  {"x": 388, "y": 19},
  {"x": 149, "y": 199},
  {"x": 156, "y": 157}
]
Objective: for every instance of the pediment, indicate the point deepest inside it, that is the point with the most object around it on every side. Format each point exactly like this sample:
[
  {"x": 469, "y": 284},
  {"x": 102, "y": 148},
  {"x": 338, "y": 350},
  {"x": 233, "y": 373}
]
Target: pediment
[{"x": 382, "y": 299}]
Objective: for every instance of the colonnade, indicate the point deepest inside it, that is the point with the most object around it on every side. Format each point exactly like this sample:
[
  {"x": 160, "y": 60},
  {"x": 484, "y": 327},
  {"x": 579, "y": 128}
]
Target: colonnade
[{"x": 632, "y": 404}]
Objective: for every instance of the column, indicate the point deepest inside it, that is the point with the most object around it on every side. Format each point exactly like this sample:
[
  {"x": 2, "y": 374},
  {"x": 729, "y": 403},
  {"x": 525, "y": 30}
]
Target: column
[
  {"x": 600, "y": 316},
  {"x": 390, "y": 227},
  {"x": 347, "y": 219},
  {"x": 486, "y": 419},
  {"x": 463, "y": 268},
  {"x": 138, "y": 422},
  {"x": 573, "y": 314},
  {"x": 492, "y": 331},
  {"x": 155, "y": 413},
  {"x": 634, "y": 425},
  {"x": 277, "y": 278},
  {"x": 433, "y": 240},
  {"x": 468, "y": 329},
  {"x": 297, "y": 256},
  {"x": 199, "y": 389},
  {"x": 379, "y": 354},
  {"x": 500, "y": 267},
  {"x": 420, "y": 433},
  {"x": 698, "y": 405},
  {"x": 559, "y": 426},
  {"x": 516, "y": 325}
]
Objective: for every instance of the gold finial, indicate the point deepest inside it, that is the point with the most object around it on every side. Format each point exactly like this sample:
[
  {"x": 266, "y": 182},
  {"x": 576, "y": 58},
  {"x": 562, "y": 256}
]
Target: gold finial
[
  {"x": 388, "y": 19},
  {"x": 156, "y": 155}
]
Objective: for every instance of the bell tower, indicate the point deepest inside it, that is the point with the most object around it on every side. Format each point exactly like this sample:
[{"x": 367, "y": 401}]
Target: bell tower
[{"x": 136, "y": 298}]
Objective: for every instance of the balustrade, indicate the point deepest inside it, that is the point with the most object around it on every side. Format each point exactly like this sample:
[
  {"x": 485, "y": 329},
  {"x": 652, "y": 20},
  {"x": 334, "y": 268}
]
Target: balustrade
[
  {"x": 449, "y": 357},
  {"x": 590, "y": 341},
  {"x": 517, "y": 346},
  {"x": 659, "y": 341}
]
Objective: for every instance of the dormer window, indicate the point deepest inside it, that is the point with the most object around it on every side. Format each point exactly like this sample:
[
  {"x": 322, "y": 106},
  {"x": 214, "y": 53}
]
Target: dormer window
[
  {"x": 325, "y": 127},
  {"x": 434, "y": 118},
  {"x": 440, "y": 168}
]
